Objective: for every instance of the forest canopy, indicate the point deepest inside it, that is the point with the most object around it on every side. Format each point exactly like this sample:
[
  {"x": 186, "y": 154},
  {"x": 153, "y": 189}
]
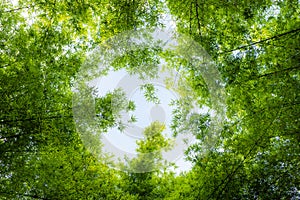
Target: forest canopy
[{"x": 255, "y": 47}]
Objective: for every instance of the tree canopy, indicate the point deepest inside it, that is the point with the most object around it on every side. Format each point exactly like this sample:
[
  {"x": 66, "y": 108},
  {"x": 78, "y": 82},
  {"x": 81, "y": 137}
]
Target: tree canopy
[{"x": 254, "y": 46}]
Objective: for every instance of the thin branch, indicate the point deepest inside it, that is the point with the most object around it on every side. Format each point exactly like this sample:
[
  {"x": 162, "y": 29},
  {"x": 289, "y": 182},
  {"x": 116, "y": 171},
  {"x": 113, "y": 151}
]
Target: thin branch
[
  {"x": 191, "y": 7},
  {"x": 16, "y": 9},
  {"x": 268, "y": 74},
  {"x": 198, "y": 20},
  {"x": 279, "y": 71},
  {"x": 262, "y": 41},
  {"x": 35, "y": 119}
]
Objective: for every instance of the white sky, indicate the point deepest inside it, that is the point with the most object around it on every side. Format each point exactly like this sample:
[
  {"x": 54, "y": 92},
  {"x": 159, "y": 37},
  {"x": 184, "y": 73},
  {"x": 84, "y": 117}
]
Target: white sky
[{"x": 126, "y": 143}]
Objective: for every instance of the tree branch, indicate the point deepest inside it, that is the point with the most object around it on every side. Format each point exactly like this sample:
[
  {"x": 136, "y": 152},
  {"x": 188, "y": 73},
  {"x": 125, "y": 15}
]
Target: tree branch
[
  {"x": 16, "y": 9},
  {"x": 35, "y": 119},
  {"x": 262, "y": 41},
  {"x": 198, "y": 20},
  {"x": 191, "y": 7},
  {"x": 279, "y": 71},
  {"x": 268, "y": 74}
]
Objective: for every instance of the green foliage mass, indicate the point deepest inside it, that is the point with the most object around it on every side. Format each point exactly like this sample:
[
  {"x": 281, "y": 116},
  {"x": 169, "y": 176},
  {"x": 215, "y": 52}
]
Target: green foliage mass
[{"x": 255, "y": 46}]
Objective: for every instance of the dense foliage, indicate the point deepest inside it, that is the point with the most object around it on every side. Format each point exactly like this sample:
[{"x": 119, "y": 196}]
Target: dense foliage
[{"x": 256, "y": 47}]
